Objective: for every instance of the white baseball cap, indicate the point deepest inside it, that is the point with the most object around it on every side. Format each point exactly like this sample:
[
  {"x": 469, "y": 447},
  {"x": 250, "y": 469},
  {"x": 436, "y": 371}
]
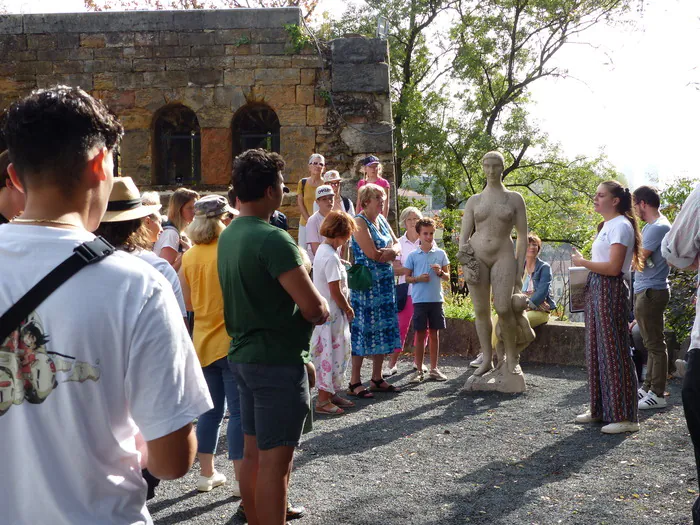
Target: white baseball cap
[
  {"x": 331, "y": 176},
  {"x": 324, "y": 191}
]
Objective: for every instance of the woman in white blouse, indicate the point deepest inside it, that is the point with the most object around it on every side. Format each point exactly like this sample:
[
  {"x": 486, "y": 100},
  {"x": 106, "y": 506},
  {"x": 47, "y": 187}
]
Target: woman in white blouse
[{"x": 611, "y": 373}]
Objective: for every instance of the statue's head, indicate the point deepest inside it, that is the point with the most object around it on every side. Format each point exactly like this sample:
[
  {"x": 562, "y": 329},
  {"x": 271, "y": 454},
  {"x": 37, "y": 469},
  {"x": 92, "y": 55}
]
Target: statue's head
[{"x": 493, "y": 164}]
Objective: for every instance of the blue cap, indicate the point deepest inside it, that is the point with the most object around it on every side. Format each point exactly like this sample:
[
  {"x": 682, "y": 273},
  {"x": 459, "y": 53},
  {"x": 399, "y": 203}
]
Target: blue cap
[{"x": 370, "y": 160}]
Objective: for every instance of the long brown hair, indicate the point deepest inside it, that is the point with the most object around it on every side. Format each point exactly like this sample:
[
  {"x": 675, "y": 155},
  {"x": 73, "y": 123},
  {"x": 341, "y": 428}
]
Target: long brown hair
[
  {"x": 625, "y": 207},
  {"x": 178, "y": 199}
]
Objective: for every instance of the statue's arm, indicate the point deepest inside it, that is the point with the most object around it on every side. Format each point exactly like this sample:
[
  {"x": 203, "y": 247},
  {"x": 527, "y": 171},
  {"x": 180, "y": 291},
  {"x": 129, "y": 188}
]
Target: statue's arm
[
  {"x": 467, "y": 222},
  {"x": 521, "y": 242}
]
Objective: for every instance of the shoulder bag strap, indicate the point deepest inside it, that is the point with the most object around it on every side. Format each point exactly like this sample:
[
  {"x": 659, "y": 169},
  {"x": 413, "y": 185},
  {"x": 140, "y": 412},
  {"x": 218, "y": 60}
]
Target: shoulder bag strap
[{"x": 87, "y": 253}]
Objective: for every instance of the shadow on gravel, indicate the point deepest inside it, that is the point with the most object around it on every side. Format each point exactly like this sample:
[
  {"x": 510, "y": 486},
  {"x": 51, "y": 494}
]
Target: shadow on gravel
[
  {"x": 164, "y": 504},
  {"x": 482, "y": 502},
  {"x": 185, "y": 515}
]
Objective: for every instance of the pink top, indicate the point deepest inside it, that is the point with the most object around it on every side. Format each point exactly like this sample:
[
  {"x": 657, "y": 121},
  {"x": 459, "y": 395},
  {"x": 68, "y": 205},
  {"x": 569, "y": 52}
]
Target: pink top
[{"x": 379, "y": 182}]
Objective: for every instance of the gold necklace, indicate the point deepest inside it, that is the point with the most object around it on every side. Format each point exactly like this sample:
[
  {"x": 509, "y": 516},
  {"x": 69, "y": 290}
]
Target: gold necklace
[{"x": 45, "y": 221}]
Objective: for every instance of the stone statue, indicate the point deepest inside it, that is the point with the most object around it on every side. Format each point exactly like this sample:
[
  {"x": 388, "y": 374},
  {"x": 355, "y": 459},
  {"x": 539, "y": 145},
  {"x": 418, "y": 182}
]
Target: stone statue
[{"x": 491, "y": 264}]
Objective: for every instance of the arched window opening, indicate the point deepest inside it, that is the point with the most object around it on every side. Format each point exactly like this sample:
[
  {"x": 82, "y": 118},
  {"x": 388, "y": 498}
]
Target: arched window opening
[
  {"x": 255, "y": 126},
  {"x": 177, "y": 146}
]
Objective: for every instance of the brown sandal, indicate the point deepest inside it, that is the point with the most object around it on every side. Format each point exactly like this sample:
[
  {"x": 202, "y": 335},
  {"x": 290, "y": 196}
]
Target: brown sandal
[
  {"x": 328, "y": 409},
  {"x": 362, "y": 394},
  {"x": 341, "y": 401},
  {"x": 376, "y": 388}
]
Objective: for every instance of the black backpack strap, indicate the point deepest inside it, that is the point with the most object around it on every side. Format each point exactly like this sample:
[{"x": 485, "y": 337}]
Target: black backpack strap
[
  {"x": 303, "y": 185},
  {"x": 87, "y": 253},
  {"x": 346, "y": 202}
]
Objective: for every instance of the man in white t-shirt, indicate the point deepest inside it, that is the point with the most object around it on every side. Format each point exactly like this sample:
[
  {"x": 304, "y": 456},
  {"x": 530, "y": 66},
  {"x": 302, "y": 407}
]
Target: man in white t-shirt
[{"x": 105, "y": 361}]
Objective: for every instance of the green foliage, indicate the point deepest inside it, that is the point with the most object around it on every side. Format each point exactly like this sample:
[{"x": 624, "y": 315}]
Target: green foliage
[
  {"x": 325, "y": 95},
  {"x": 673, "y": 197},
  {"x": 242, "y": 41},
  {"x": 299, "y": 38},
  {"x": 458, "y": 306},
  {"x": 405, "y": 202}
]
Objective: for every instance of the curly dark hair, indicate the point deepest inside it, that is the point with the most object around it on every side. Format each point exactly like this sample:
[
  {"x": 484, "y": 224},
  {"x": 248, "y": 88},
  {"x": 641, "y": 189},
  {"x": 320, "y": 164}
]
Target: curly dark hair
[
  {"x": 32, "y": 329},
  {"x": 50, "y": 132},
  {"x": 254, "y": 171}
]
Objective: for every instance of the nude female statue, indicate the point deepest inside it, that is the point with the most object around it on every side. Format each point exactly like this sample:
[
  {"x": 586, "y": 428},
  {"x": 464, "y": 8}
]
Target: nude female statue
[{"x": 486, "y": 250}]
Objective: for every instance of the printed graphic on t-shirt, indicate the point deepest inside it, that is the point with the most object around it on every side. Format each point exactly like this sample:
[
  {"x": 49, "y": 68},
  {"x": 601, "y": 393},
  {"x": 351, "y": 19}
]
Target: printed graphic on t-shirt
[{"x": 29, "y": 372}]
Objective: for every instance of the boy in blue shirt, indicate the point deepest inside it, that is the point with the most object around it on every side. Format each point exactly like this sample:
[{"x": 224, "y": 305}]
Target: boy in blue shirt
[{"x": 428, "y": 267}]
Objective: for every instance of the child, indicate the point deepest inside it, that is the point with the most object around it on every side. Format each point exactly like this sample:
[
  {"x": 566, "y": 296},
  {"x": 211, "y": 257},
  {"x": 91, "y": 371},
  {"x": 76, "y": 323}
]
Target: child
[
  {"x": 372, "y": 170},
  {"x": 324, "y": 199},
  {"x": 330, "y": 342},
  {"x": 428, "y": 267}
]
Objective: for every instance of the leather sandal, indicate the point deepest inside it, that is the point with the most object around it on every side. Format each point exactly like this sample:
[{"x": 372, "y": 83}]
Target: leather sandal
[
  {"x": 377, "y": 388},
  {"x": 362, "y": 394},
  {"x": 328, "y": 408}
]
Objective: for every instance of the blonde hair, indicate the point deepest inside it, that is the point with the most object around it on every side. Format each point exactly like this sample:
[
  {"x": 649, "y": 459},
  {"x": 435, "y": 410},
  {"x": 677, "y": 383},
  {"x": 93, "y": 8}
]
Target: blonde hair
[
  {"x": 205, "y": 230},
  {"x": 368, "y": 192},
  {"x": 178, "y": 199}
]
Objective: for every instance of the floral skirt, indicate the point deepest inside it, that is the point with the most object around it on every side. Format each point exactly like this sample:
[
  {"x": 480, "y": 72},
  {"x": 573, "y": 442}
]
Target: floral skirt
[{"x": 330, "y": 351}]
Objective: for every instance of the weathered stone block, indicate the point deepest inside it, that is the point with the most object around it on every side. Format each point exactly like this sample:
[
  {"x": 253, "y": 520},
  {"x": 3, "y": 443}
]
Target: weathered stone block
[
  {"x": 165, "y": 79},
  {"x": 110, "y": 65},
  {"x": 308, "y": 77},
  {"x": 138, "y": 52},
  {"x": 359, "y": 142},
  {"x": 146, "y": 38},
  {"x": 105, "y": 81},
  {"x": 214, "y": 117},
  {"x": 274, "y": 49},
  {"x": 12, "y": 86},
  {"x": 269, "y": 35},
  {"x": 10, "y": 25},
  {"x": 108, "y": 52},
  {"x": 168, "y": 38},
  {"x": 53, "y": 41},
  {"x": 73, "y": 66},
  {"x": 239, "y": 77},
  {"x": 151, "y": 99},
  {"x": 172, "y": 51},
  {"x": 148, "y": 64},
  {"x": 216, "y": 155},
  {"x": 24, "y": 56},
  {"x": 92, "y": 40},
  {"x": 316, "y": 116},
  {"x": 305, "y": 95},
  {"x": 116, "y": 100},
  {"x": 136, "y": 118},
  {"x": 207, "y": 51},
  {"x": 229, "y": 96},
  {"x": 76, "y": 80},
  {"x": 226, "y": 62},
  {"x": 368, "y": 78},
  {"x": 205, "y": 77},
  {"x": 307, "y": 61},
  {"x": 130, "y": 80},
  {"x": 34, "y": 68},
  {"x": 64, "y": 54},
  {"x": 277, "y": 76},
  {"x": 182, "y": 64},
  {"x": 120, "y": 39},
  {"x": 197, "y": 39},
  {"x": 359, "y": 50},
  {"x": 275, "y": 96},
  {"x": 135, "y": 148},
  {"x": 232, "y": 36},
  {"x": 246, "y": 49},
  {"x": 291, "y": 115},
  {"x": 261, "y": 61},
  {"x": 196, "y": 98}
]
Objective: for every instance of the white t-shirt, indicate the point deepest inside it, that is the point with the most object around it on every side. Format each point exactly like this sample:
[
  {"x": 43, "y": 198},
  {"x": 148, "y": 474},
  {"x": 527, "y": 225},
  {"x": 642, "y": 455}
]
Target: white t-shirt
[
  {"x": 169, "y": 238},
  {"x": 168, "y": 272},
  {"x": 313, "y": 232},
  {"x": 615, "y": 231},
  {"x": 104, "y": 356},
  {"x": 328, "y": 269}
]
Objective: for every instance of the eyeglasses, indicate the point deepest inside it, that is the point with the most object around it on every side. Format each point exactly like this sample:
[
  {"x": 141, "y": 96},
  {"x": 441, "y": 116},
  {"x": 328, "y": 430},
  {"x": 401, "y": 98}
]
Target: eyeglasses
[{"x": 316, "y": 164}]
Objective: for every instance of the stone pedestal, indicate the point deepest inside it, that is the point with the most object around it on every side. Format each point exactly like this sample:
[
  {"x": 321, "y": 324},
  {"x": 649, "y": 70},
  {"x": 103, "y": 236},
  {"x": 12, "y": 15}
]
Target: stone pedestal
[{"x": 497, "y": 380}]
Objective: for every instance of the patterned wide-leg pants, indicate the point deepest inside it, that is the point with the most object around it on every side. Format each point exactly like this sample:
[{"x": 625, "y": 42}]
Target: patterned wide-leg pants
[{"x": 611, "y": 374}]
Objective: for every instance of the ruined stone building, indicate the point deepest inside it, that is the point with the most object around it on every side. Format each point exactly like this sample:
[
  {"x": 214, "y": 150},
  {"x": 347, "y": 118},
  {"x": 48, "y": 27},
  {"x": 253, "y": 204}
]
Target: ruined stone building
[{"x": 195, "y": 88}]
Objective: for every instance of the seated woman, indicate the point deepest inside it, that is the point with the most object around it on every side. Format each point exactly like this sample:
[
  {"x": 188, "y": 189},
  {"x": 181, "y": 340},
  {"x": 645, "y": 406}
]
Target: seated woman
[{"x": 537, "y": 286}]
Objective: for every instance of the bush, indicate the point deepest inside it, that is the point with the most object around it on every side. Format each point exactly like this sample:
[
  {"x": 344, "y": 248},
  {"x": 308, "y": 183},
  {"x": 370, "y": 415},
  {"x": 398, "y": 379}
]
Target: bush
[{"x": 459, "y": 307}]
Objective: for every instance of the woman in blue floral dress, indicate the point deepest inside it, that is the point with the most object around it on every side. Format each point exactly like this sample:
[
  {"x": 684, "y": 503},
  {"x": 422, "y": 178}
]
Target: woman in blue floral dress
[{"x": 375, "y": 329}]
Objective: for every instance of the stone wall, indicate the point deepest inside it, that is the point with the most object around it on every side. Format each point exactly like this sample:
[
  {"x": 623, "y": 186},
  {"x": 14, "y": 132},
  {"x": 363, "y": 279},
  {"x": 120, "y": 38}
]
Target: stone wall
[{"x": 214, "y": 62}]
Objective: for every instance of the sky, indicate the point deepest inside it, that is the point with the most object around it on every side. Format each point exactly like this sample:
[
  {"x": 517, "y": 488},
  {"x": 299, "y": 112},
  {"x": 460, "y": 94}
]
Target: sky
[{"x": 630, "y": 90}]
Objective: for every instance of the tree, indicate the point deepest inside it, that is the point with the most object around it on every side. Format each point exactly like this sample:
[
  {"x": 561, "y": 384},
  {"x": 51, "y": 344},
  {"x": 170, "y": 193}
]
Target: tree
[{"x": 307, "y": 6}]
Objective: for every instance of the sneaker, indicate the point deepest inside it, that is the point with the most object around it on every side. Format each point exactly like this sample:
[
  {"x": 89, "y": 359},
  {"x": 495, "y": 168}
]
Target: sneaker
[
  {"x": 652, "y": 401},
  {"x": 478, "y": 361},
  {"x": 425, "y": 368},
  {"x": 388, "y": 372},
  {"x": 587, "y": 418},
  {"x": 619, "y": 428},
  {"x": 206, "y": 484},
  {"x": 641, "y": 393},
  {"x": 680, "y": 369},
  {"x": 417, "y": 377},
  {"x": 436, "y": 375}
]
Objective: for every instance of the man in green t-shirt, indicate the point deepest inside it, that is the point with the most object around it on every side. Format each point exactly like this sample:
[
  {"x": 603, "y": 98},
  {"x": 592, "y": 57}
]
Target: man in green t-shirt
[{"x": 270, "y": 307}]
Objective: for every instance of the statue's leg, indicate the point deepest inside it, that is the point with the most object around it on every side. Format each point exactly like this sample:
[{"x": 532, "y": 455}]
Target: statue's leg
[
  {"x": 480, "y": 294},
  {"x": 502, "y": 279}
]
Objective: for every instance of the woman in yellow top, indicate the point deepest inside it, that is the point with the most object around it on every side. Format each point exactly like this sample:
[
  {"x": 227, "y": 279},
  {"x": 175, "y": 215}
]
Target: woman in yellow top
[
  {"x": 306, "y": 194},
  {"x": 199, "y": 277}
]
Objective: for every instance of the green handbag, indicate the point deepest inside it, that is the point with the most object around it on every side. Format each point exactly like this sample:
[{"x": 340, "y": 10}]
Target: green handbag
[{"x": 359, "y": 277}]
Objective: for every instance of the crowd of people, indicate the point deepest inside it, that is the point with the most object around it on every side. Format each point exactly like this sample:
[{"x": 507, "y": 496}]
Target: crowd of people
[{"x": 216, "y": 308}]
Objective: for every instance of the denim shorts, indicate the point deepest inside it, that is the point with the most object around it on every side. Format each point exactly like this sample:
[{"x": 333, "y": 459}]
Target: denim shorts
[
  {"x": 274, "y": 402},
  {"x": 428, "y": 315}
]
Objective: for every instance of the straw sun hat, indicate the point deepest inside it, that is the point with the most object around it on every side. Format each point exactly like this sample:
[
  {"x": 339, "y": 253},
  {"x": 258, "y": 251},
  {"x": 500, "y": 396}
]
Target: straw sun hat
[{"x": 125, "y": 202}]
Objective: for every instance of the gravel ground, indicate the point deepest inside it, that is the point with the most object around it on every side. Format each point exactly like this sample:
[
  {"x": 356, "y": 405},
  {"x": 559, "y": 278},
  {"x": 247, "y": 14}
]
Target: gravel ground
[{"x": 432, "y": 455}]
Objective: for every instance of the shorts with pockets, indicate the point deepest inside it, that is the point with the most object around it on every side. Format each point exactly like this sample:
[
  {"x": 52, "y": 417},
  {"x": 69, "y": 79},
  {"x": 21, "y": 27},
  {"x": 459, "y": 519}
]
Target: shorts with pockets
[{"x": 428, "y": 315}]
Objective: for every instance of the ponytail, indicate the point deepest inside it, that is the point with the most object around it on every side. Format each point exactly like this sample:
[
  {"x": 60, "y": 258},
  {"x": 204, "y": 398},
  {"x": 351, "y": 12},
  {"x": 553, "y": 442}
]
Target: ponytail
[{"x": 626, "y": 208}]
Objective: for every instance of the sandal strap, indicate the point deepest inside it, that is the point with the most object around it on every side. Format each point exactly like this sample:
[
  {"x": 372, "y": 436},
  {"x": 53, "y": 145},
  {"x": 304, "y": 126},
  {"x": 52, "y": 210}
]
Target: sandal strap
[
  {"x": 353, "y": 386},
  {"x": 378, "y": 382}
]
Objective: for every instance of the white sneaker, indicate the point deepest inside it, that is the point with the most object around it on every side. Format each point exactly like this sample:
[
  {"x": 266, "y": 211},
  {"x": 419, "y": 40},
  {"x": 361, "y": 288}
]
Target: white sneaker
[
  {"x": 436, "y": 375},
  {"x": 478, "y": 361},
  {"x": 619, "y": 428},
  {"x": 652, "y": 401},
  {"x": 680, "y": 369},
  {"x": 586, "y": 417},
  {"x": 641, "y": 393},
  {"x": 424, "y": 367},
  {"x": 388, "y": 372},
  {"x": 206, "y": 484},
  {"x": 417, "y": 377}
]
